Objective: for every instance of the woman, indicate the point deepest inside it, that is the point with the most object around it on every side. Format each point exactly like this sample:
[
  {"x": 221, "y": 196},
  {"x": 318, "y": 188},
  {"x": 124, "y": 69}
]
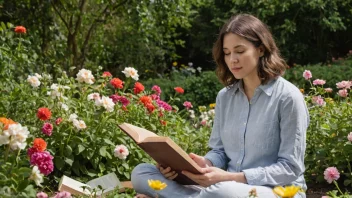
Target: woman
[{"x": 259, "y": 132}]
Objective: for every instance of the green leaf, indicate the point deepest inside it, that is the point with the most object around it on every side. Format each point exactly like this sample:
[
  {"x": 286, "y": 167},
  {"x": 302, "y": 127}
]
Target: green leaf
[
  {"x": 109, "y": 142},
  {"x": 59, "y": 163},
  {"x": 102, "y": 151},
  {"x": 69, "y": 161},
  {"x": 68, "y": 150},
  {"x": 80, "y": 148}
]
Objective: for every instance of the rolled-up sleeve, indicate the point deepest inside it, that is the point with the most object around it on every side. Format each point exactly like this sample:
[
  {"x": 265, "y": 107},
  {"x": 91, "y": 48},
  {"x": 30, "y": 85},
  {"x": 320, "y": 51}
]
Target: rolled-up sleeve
[
  {"x": 217, "y": 155},
  {"x": 294, "y": 120}
]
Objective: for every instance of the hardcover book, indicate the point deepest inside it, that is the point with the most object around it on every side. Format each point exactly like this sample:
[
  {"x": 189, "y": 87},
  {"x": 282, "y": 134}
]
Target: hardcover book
[{"x": 164, "y": 151}]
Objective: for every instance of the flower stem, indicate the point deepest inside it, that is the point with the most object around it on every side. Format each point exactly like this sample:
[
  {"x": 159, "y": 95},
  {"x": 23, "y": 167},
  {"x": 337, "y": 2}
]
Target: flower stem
[{"x": 337, "y": 186}]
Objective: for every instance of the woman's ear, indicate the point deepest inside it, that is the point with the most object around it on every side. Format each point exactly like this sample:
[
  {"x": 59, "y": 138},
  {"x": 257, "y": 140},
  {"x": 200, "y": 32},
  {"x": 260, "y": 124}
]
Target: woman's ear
[{"x": 261, "y": 50}]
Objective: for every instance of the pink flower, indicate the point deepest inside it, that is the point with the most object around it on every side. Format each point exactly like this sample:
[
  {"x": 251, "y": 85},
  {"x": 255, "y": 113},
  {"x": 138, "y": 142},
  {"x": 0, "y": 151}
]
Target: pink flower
[
  {"x": 164, "y": 105},
  {"x": 31, "y": 150},
  {"x": 44, "y": 161},
  {"x": 319, "y": 82},
  {"x": 42, "y": 195},
  {"x": 47, "y": 129},
  {"x": 107, "y": 74},
  {"x": 344, "y": 84},
  {"x": 328, "y": 90},
  {"x": 325, "y": 197},
  {"x": 58, "y": 121},
  {"x": 318, "y": 100},
  {"x": 122, "y": 99},
  {"x": 331, "y": 174},
  {"x": 63, "y": 194},
  {"x": 203, "y": 122},
  {"x": 121, "y": 151},
  {"x": 349, "y": 137},
  {"x": 157, "y": 89},
  {"x": 343, "y": 93},
  {"x": 307, "y": 74},
  {"x": 155, "y": 97},
  {"x": 187, "y": 104}
]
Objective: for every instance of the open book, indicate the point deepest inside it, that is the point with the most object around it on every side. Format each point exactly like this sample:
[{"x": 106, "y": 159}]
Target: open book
[
  {"x": 107, "y": 182},
  {"x": 164, "y": 151}
]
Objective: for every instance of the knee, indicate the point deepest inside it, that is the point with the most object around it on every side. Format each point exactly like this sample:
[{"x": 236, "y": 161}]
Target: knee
[
  {"x": 141, "y": 173},
  {"x": 224, "y": 189}
]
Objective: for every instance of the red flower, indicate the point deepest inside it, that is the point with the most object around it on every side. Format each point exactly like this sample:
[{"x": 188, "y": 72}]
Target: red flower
[
  {"x": 138, "y": 88},
  {"x": 163, "y": 122},
  {"x": 145, "y": 100},
  {"x": 20, "y": 30},
  {"x": 179, "y": 90},
  {"x": 58, "y": 121},
  {"x": 150, "y": 107},
  {"x": 107, "y": 74},
  {"x": 43, "y": 113},
  {"x": 117, "y": 83},
  {"x": 39, "y": 144}
]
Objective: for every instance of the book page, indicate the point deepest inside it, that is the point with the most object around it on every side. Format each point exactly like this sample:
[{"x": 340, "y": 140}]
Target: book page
[
  {"x": 108, "y": 182},
  {"x": 73, "y": 186},
  {"x": 136, "y": 133}
]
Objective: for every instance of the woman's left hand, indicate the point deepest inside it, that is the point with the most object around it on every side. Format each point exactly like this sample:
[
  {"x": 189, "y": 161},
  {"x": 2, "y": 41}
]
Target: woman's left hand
[{"x": 210, "y": 176}]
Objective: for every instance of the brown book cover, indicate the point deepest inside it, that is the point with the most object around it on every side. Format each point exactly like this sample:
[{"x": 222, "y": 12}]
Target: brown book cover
[{"x": 164, "y": 151}]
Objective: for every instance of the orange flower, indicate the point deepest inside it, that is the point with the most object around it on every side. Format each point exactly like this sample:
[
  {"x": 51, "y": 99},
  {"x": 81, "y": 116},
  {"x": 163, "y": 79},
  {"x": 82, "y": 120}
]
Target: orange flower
[
  {"x": 301, "y": 90},
  {"x": 43, "y": 113},
  {"x": 117, "y": 83},
  {"x": 6, "y": 122},
  {"x": 39, "y": 144},
  {"x": 145, "y": 100},
  {"x": 150, "y": 107},
  {"x": 179, "y": 90},
  {"x": 163, "y": 122},
  {"x": 20, "y": 30},
  {"x": 138, "y": 88}
]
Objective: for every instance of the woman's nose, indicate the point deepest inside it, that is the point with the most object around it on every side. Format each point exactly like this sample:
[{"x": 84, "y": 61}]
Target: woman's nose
[{"x": 233, "y": 58}]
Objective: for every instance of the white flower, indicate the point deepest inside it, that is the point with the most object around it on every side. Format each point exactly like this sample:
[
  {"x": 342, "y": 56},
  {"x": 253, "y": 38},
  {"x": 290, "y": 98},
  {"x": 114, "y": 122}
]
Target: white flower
[
  {"x": 86, "y": 76},
  {"x": 131, "y": 72},
  {"x": 191, "y": 112},
  {"x": 38, "y": 76},
  {"x": 4, "y": 138},
  {"x": 121, "y": 151},
  {"x": 211, "y": 113},
  {"x": 93, "y": 96},
  {"x": 36, "y": 176},
  {"x": 63, "y": 106},
  {"x": 18, "y": 137},
  {"x": 57, "y": 91},
  {"x": 72, "y": 117},
  {"x": 199, "y": 69},
  {"x": 190, "y": 64},
  {"x": 33, "y": 80},
  {"x": 79, "y": 124},
  {"x": 106, "y": 102}
]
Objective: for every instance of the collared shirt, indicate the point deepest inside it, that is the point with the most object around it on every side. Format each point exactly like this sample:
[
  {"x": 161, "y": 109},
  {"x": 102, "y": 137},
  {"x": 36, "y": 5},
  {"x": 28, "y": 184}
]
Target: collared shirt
[{"x": 265, "y": 138}]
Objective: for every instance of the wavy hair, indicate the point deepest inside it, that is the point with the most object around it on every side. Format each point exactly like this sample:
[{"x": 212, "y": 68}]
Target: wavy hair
[{"x": 271, "y": 64}]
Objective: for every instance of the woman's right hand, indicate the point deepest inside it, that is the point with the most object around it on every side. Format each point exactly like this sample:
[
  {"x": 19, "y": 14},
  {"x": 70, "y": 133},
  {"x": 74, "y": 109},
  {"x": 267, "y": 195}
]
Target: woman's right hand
[
  {"x": 200, "y": 160},
  {"x": 167, "y": 172}
]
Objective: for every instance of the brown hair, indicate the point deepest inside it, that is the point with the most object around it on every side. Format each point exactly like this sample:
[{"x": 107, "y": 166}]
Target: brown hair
[{"x": 271, "y": 64}]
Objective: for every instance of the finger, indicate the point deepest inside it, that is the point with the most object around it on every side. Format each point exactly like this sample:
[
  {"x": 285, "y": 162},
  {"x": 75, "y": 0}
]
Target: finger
[
  {"x": 158, "y": 166},
  {"x": 166, "y": 170},
  {"x": 169, "y": 174},
  {"x": 193, "y": 176},
  {"x": 173, "y": 177}
]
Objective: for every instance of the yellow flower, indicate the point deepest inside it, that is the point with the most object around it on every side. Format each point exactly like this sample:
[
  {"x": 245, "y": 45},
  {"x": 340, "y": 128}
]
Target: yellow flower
[
  {"x": 287, "y": 191},
  {"x": 212, "y": 105},
  {"x": 302, "y": 90},
  {"x": 329, "y": 100},
  {"x": 174, "y": 64},
  {"x": 202, "y": 108},
  {"x": 156, "y": 184}
]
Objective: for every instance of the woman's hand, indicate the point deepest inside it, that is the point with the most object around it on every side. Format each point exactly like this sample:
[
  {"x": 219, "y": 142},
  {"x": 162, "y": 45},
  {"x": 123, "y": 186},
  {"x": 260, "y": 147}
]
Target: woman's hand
[
  {"x": 200, "y": 160},
  {"x": 167, "y": 172},
  {"x": 213, "y": 175}
]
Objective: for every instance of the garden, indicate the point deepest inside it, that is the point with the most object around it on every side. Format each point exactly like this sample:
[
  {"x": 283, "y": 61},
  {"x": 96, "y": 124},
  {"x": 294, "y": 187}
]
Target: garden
[{"x": 69, "y": 79}]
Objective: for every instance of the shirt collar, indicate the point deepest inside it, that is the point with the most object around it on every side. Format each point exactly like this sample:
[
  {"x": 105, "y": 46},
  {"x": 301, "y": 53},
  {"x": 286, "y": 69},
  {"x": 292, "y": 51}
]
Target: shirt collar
[{"x": 267, "y": 88}]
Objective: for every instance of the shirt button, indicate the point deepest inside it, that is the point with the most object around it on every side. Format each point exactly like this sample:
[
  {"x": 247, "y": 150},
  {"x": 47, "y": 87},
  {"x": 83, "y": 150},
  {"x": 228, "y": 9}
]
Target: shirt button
[{"x": 245, "y": 123}]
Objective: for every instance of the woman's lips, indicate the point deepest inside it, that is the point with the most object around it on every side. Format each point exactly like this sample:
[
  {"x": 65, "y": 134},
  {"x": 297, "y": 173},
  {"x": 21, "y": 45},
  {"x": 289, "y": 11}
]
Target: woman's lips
[{"x": 236, "y": 69}]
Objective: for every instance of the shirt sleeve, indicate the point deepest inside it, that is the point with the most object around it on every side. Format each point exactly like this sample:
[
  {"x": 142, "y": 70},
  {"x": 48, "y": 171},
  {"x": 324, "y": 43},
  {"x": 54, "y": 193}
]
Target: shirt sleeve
[
  {"x": 217, "y": 155},
  {"x": 294, "y": 121}
]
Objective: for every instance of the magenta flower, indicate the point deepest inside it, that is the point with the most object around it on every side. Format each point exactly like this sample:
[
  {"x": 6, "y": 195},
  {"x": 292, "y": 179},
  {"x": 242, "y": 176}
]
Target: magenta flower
[
  {"x": 44, "y": 161},
  {"x": 47, "y": 129},
  {"x": 164, "y": 105},
  {"x": 349, "y": 137},
  {"x": 343, "y": 93},
  {"x": 319, "y": 82},
  {"x": 187, "y": 104},
  {"x": 307, "y": 74},
  {"x": 62, "y": 194},
  {"x": 157, "y": 89},
  {"x": 31, "y": 150},
  {"x": 122, "y": 99},
  {"x": 331, "y": 174},
  {"x": 155, "y": 97},
  {"x": 42, "y": 195}
]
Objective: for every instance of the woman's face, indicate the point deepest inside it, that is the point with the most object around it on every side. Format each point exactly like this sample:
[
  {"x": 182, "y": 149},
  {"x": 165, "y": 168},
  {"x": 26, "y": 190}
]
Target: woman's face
[{"x": 241, "y": 56}]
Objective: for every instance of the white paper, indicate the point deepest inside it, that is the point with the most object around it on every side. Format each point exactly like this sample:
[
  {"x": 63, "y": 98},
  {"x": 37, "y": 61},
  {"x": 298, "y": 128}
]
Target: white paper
[{"x": 108, "y": 183}]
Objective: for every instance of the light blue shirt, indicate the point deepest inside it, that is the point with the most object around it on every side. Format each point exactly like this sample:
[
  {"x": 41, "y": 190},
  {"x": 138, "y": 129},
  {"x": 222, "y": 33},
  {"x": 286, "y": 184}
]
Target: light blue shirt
[{"x": 265, "y": 138}]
